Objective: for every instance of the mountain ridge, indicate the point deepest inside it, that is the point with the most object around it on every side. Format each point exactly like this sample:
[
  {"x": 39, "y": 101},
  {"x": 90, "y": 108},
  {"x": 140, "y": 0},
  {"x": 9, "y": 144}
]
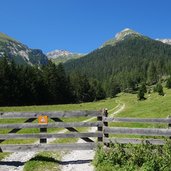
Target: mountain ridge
[{"x": 19, "y": 52}]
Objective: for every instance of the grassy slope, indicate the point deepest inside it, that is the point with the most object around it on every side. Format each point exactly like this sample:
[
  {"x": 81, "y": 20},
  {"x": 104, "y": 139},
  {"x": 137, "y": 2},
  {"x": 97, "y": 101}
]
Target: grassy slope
[
  {"x": 154, "y": 106},
  {"x": 5, "y": 38},
  {"x": 109, "y": 103}
]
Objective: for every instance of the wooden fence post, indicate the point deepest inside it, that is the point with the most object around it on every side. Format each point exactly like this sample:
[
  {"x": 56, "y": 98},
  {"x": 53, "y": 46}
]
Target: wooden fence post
[
  {"x": 43, "y": 130},
  {"x": 43, "y": 119},
  {"x": 105, "y": 124},
  {"x": 169, "y": 124},
  {"x": 100, "y": 128}
]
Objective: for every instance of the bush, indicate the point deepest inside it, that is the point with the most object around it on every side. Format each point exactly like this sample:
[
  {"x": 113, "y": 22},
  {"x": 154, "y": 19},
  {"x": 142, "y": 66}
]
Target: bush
[{"x": 143, "y": 157}]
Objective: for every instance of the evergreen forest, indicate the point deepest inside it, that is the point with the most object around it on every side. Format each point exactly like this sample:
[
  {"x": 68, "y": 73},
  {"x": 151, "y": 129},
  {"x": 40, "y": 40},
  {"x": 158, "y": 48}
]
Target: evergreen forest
[
  {"x": 126, "y": 65},
  {"x": 48, "y": 84}
]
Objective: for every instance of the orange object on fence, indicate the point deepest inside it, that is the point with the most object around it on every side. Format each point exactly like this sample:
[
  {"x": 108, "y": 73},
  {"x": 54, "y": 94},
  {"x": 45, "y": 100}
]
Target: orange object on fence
[{"x": 43, "y": 119}]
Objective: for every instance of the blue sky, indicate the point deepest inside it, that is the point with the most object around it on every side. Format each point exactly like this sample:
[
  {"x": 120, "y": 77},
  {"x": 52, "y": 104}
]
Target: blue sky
[{"x": 81, "y": 25}]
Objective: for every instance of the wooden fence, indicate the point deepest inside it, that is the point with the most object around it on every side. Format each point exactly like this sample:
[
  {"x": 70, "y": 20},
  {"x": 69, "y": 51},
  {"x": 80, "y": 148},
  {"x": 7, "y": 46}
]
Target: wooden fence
[{"x": 102, "y": 134}]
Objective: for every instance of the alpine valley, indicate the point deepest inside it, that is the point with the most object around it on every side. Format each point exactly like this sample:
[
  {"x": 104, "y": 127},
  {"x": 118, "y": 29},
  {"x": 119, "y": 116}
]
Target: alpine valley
[{"x": 124, "y": 63}]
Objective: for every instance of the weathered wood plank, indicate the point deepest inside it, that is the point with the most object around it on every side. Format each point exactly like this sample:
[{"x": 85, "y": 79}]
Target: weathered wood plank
[
  {"x": 51, "y": 125},
  {"x": 138, "y": 131},
  {"x": 134, "y": 141},
  {"x": 56, "y": 114},
  {"x": 86, "y": 139},
  {"x": 51, "y": 135},
  {"x": 145, "y": 120},
  {"x": 43, "y": 130},
  {"x": 18, "y": 129},
  {"x": 46, "y": 147},
  {"x": 100, "y": 128}
]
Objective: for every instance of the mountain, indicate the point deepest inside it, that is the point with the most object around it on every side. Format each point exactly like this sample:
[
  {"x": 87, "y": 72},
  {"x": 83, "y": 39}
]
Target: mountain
[
  {"x": 125, "y": 61},
  {"x": 126, "y": 33},
  {"x": 58, "y": 56},
  {"x": 167, "y": 41},
  {"x": 19, "y": 52}
]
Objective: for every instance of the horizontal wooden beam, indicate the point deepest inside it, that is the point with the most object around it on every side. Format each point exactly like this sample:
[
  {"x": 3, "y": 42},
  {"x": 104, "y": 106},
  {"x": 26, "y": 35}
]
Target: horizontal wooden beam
[
  {"x": 46, "y": 147},
  {"x": 145, "y": 120},
  {"x": 138, "y": 131},
  {"x": 134, "y": 141},
  {"x": 51, "y": 135},
  {"x": 56, "y": 114},
  {"x": 51, "y": 125},
  {"x": 18, "y": 129}
]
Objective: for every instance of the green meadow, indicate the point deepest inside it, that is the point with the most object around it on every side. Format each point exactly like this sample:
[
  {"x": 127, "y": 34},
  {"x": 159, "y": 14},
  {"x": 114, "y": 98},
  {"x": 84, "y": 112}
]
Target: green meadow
[{"x": 154, "y": 106}]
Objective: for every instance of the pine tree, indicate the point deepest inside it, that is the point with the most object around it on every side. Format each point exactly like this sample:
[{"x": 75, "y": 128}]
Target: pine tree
[
  {"x": 159, "y": 89},
  {"x": 151, "y": 74},
  {"x": 141, "y": 92},
  {"x": 168, "y": 83}
]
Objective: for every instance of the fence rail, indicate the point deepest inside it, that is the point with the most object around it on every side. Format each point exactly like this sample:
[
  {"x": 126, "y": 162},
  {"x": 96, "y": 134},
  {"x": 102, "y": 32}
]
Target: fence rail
[
  {"x": 59, "y": 114},
  {"x": 46, "y": 147},
  {"x": 103, "y": 134},
  {"x": 51, "y": 125}
]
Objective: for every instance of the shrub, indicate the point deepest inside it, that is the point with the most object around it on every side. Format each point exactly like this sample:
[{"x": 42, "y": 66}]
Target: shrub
[{"x": 143, "y": 157}]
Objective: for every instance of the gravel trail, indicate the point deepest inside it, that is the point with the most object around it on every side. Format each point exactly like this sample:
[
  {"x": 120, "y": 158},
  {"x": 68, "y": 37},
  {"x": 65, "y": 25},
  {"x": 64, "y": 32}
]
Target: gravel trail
[
  {"x": 16, "y": 161},
  {"x": 80, "y": 160}
]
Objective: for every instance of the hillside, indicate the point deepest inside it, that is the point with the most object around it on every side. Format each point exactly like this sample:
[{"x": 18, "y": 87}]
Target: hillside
[
  {"x": 125, "y": 61},
  {"x": 19, "y": 52},
  {"x": 154, "y": 107}
]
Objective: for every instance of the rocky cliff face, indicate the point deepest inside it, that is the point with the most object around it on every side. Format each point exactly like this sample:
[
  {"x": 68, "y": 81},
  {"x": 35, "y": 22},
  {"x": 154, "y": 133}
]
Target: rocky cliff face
[
  {"x": 166, "y": 41},
  {"x": 20, "y": 53}
]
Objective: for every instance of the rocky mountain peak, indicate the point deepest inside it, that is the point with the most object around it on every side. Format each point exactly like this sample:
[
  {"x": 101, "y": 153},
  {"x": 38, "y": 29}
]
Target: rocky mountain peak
[
  {"x": 121, "y": 36},
  {"x": 166, "y": 41},
  {"x": 124, "y": 33},
  {"x": 58, "y": 56},
  {"x": 57, "y": 53}
]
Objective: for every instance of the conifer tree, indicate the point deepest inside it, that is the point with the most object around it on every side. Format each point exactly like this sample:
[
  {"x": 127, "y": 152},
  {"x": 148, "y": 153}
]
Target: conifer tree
[{"x": 168, "y": 83}]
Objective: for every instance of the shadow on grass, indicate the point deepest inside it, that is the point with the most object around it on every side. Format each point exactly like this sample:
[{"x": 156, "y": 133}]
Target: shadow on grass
[
  {"x": 44, "y": 159},
  {"x": 51, "y": 159},
  {"x": 12, "y": 163}
]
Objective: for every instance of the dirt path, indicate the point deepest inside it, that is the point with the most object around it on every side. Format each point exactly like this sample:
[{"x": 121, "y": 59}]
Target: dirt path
[
  {"x": 75, "y": 160},
  {"x": 80, "y": 160}
]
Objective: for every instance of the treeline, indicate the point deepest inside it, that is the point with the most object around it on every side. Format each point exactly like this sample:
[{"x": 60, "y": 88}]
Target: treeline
[
  {"x": 49, "y": 84},
  {"x": 123, "y": 67}
]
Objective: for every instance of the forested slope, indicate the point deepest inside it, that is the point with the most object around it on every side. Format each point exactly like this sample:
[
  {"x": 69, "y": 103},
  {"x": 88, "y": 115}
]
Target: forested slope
[{"x": 133, "y": 60}]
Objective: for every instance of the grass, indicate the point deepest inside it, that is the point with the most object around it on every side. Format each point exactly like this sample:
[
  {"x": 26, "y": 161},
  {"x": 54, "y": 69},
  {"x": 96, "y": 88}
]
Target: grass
[
  {"x": 44, "y": 161},
  {"x": 154, "y": 106},
  {"x": 108, "y": 103}
]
